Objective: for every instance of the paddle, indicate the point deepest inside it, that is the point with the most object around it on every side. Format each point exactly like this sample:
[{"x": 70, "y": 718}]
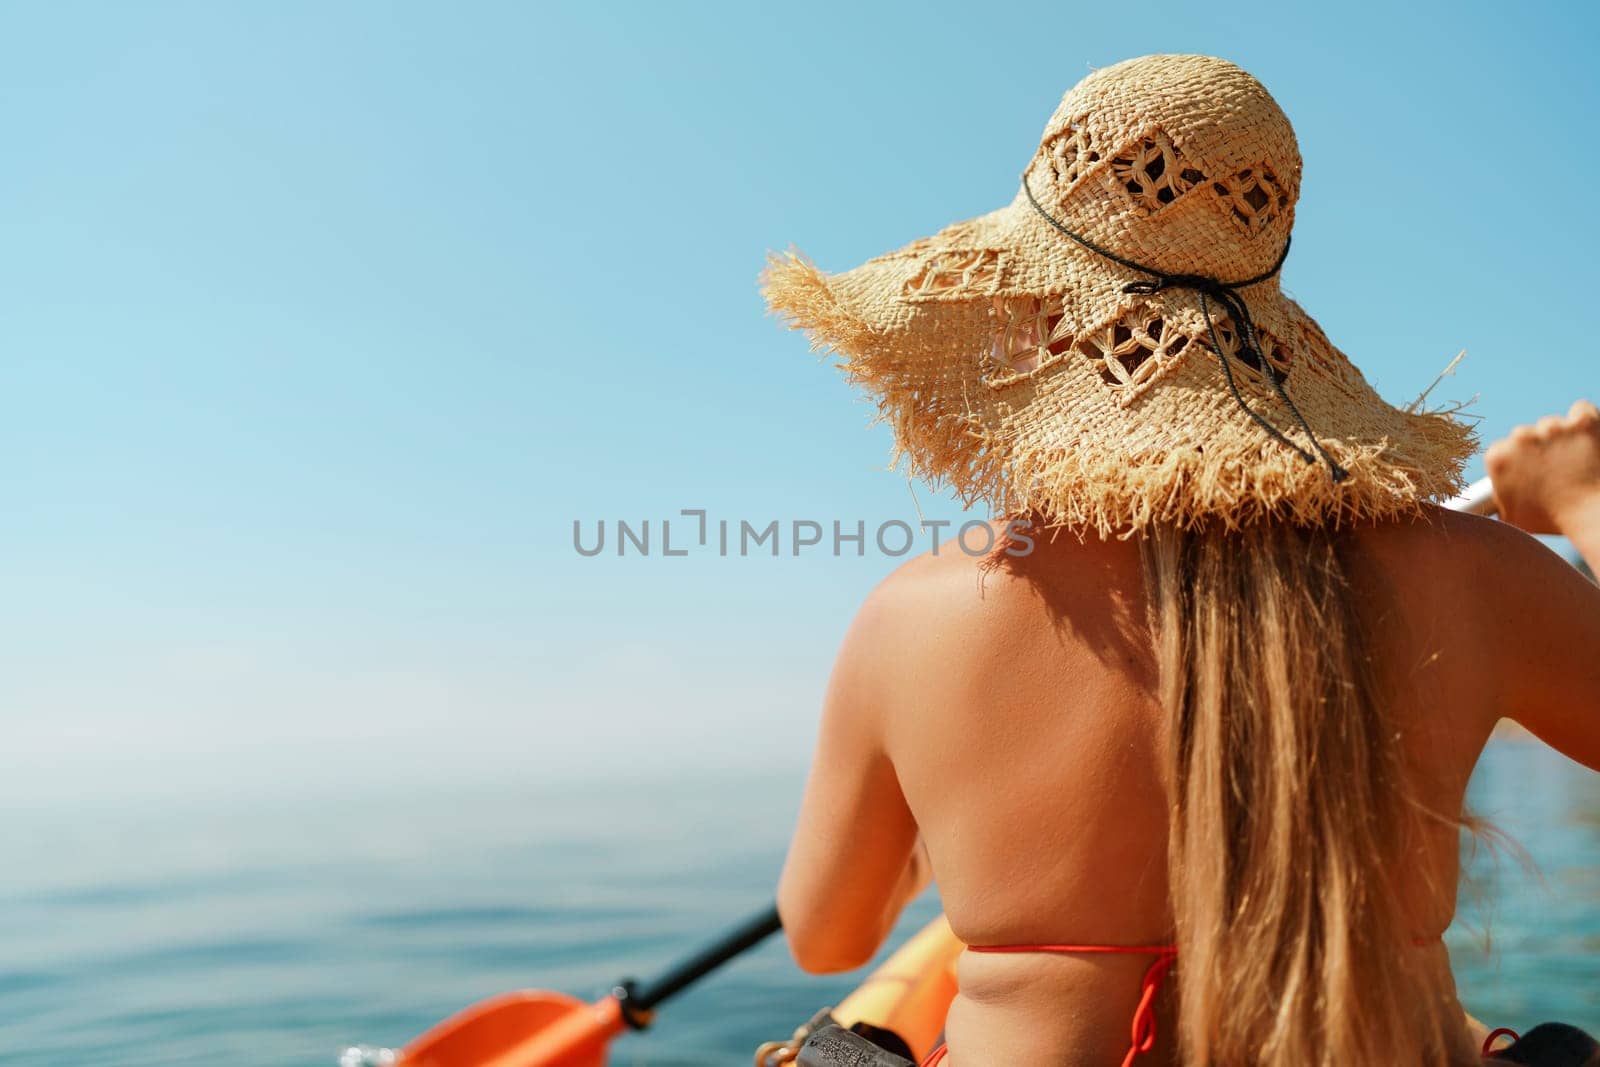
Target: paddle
[
  {"x": 535, "y": 1028},
  {"x": 1477, "y": 500}
]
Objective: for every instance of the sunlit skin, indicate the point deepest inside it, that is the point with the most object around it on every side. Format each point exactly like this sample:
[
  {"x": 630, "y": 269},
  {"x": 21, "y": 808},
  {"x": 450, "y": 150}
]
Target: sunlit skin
[{"x": 999, "y": 729}]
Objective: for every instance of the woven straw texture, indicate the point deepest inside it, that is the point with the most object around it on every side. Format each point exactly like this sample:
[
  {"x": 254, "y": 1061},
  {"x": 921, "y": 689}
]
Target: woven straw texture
[{"x": 1014, "y": 368}]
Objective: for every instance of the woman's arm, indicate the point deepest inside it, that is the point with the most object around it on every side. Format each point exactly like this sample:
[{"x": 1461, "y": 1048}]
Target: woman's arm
[
  {"x": 1547, "y": 480},
  {"x": 855, "y": 860}
]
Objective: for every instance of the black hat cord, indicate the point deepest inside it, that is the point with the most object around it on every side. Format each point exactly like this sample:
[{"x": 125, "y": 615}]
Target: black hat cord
[{"x": 1226, "y": 294}]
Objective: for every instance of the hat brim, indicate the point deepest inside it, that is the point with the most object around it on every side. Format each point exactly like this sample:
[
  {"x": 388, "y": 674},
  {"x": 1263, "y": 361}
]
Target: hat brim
[{"x": 1036, "y": 383}]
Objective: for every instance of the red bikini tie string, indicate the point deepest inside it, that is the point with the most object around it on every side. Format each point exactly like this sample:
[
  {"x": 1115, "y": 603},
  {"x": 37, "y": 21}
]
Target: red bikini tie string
[
  {"x": 1144, "y": 1017},
  {"x": 1495, "y": 1035}
]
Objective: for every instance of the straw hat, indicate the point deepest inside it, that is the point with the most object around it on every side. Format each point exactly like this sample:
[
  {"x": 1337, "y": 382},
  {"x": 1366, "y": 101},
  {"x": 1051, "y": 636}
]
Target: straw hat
[{"x": 1112, "y": 349}]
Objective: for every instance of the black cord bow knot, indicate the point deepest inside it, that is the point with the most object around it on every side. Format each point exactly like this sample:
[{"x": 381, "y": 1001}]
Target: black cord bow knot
[
  {"x": 1171, "y": 281},
  {"x": 1226, "y": 294}
]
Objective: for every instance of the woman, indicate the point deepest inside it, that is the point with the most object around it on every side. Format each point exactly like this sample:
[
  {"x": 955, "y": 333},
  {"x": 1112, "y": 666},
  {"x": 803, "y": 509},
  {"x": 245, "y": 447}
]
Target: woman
[{"x": 1198, "y": 757}]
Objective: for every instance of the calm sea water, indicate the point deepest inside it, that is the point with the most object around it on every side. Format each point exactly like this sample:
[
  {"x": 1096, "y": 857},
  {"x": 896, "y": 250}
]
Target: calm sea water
[{"x": 255, "y": 934}]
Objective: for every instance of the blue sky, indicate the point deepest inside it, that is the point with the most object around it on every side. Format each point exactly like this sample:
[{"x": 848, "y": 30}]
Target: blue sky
[{"x": 320, "y": 324}]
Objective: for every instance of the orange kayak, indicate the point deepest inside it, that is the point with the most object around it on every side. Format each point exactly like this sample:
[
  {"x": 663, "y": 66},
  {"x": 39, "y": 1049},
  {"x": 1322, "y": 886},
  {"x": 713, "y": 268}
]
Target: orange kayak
[{"x": 908, "y": 994}]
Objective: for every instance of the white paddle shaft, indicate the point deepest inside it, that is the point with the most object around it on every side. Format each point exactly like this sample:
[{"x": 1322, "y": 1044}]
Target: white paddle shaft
[{"x": 1477, "y": 500}]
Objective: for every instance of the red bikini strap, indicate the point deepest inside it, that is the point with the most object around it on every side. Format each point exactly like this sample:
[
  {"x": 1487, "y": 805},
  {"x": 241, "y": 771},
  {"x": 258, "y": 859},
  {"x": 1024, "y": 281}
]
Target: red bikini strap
[
  {"x": 1073, "y": 950},
  {"x": 1144, "y": 1016},
  {"x": 1497, "y": 1034}
]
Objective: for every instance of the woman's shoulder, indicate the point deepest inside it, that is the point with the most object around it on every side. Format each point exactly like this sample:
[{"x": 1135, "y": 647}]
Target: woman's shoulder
[
  {"x": 1014, "y": 580},
  {"x": 1456, "y": 549},
  {"x": 929, "y": 585}
]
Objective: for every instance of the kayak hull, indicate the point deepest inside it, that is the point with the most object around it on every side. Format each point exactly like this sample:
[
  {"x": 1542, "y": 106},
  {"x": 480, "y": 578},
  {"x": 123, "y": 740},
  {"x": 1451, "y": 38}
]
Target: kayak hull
[{"x": 910, "y": 992}]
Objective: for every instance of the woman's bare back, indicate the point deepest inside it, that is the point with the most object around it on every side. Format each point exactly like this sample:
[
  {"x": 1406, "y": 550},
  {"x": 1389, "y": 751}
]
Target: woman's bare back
[{"x": 1015, "y": 709}]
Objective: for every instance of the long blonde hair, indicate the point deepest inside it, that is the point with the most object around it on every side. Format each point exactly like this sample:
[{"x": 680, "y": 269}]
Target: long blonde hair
[{"x": 1289, "y": 810}]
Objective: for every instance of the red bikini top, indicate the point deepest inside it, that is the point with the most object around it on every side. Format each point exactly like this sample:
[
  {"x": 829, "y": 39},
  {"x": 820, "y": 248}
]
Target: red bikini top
[{"x": 1144, "y": 1016}]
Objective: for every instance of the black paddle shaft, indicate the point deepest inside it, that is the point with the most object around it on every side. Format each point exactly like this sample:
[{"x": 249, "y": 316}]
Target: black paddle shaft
[{"x": 638, "y": 999}]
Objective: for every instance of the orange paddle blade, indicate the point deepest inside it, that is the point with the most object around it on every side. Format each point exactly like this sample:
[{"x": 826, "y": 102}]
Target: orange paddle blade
[{"x": 529, "y": 1028}]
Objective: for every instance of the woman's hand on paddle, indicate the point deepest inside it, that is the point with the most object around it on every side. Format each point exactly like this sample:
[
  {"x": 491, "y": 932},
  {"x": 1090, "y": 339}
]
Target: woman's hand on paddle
[{"x": 1547, "y": 476}]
